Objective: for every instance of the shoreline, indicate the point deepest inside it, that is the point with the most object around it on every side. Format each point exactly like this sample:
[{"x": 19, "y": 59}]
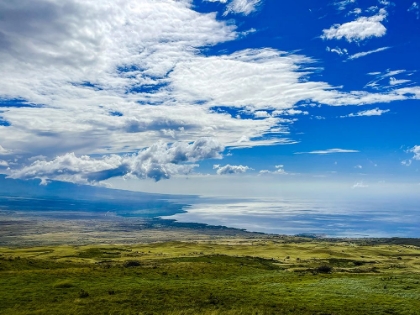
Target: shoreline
[{"x": 32, "y": 232}]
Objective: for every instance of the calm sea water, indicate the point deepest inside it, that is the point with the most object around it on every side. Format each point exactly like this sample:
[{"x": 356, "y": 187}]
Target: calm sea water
[{"x": 343, "y": 218}]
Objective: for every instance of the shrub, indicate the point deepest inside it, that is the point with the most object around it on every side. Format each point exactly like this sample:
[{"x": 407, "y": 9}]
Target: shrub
[
  {"x": 324, "y": 269},
  {"x": 83, "y": 294},
  {"x": 132, "y": 263},
  {"x": 63, "y": 285}
]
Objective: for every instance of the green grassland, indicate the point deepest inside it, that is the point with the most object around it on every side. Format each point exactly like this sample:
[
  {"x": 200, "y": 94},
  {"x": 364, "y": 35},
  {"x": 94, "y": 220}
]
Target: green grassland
[{"x": 230, "y": 276}]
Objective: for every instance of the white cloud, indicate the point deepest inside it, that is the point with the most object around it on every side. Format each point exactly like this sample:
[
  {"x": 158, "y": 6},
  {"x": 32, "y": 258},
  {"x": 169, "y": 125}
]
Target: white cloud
[
  {"x": 387, "y": 80},
  {"x": 244, "y": 7},
  {"x": 159, "y": 161},
  {"x": 261, "y": 114},
  {"x": 406, "y": 162},
  {"x": 231, "y": 169},
  {"x": 415, "y": 8},
  {"x": 366, "y": 53},
  {"x": 372, "y": 9},
  {"x": 360, "y": 29},
  {"x": 3, "y": 163},
  {"x": 416, "y": 156},
  {"x": 393, "y": 81},
  {"x": 338, "y": 51},
  {"x": 356, "y": 11},
  {"x": 260, "y": 79},
  {"x": 118, "y": 76},
  {"x": 329, "y": 151},
  {"x": 360, "y": 185},
  {"x": 384, "y": 2},
  {"x": 279, "y": 171},
  {"x": 289, "y": 112},
  {"x": 3, "y": 151},
  {"x": 370, "y": 112},
  {"x": 416, "y": 151},
  {"x": 342, "y": 5}
]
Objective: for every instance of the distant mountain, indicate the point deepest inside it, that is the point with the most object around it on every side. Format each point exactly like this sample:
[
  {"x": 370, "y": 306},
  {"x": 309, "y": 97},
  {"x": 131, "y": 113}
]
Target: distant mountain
[
  {"x": 29, "y": 196},
  {"x": 32, "y": 188}
]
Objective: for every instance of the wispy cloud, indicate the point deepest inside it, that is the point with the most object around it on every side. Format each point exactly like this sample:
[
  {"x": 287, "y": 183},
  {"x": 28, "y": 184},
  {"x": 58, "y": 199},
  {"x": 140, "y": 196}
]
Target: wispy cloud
[
  {"x": 279, "y": 171},
  {"x": 360, "y": 185},
  {"x": 394, "y": 81},
  {"x": 416, "y": 156},
  {"x": 387, "y": 80},
  {"x": 366, "y": 53},
  {"x": 406, "y": 162},
  {"x": 370, "y": 112},
  {"x": 3, "y": 151},
  {"x": 342, "y": 5},
  {"x": 329, "y": 151},
  {"x": 360, "y": 29},
  {"x": 244, "y": 7},
  {"x": 338, "y": 51},
  {"x": 415, "y": 7},
  {"x": 356, "y": 11}
]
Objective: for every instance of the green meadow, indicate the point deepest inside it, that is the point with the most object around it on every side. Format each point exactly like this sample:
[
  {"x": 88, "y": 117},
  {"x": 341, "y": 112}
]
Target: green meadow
[{"x": 277, "y": 275}]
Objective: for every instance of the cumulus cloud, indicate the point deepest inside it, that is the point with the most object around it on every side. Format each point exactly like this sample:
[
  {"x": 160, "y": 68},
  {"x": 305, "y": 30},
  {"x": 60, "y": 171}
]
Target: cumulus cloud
[
  {"x": 370, "y": 112},
  {"x": 244, "y": 7},
  {"x": 416, "y": 151},
  {"x": 159, "y": 161},
  {"x": 329, "y": 151},
  {"x": 116, "y": 76},
  {"x": 230, "y": 169},
  {"x": 360, "y": 29},
  {"x": 83, "y": 60},
  {"x": 366, "y": 53}
]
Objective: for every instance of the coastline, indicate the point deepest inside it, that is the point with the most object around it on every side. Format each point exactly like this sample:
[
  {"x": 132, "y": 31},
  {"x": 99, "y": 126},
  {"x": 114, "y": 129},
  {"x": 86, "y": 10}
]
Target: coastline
[{"x": 29, "y": 232}]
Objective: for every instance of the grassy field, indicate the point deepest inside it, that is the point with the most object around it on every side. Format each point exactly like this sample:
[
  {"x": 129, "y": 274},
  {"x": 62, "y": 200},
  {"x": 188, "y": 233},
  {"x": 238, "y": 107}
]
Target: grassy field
[{"x": 232, "y": 276}]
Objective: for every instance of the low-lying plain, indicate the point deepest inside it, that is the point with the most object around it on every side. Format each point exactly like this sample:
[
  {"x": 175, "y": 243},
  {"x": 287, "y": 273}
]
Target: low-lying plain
[{"x": 258, "y": 275}]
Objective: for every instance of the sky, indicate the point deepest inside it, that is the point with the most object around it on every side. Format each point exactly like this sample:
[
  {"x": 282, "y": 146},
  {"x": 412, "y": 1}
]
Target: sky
[{"x": 213, "y": 97}]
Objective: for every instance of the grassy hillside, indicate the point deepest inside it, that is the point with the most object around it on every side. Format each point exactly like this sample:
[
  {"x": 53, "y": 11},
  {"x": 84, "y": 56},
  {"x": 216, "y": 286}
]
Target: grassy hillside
[{"x": 232, "y": 276}]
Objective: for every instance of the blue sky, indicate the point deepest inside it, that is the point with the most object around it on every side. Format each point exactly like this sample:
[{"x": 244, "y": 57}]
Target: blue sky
[{"x": 197, "y": 96}]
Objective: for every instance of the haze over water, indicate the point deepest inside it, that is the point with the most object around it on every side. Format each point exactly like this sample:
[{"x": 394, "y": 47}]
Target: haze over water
[{"x": 291, "y": 216}]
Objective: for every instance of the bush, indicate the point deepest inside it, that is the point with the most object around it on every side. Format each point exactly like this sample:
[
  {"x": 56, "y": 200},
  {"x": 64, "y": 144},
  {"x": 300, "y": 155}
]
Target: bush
[
  {"x": 324, "y": 269},
  {"x": 63, "y": 285},
  {"x": 132, "y": 263},
  {"x": 83, "y": 294}
]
